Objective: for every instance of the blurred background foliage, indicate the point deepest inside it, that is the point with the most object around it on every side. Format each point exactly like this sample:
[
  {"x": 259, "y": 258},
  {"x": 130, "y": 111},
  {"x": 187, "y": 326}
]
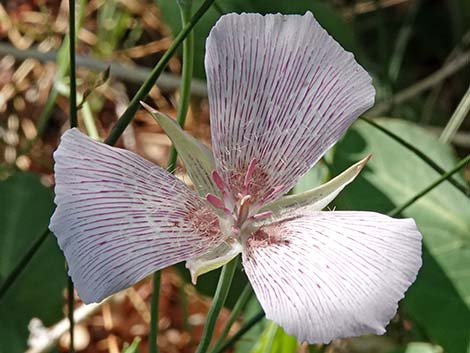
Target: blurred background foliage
[{"x": 418, "y": 52}]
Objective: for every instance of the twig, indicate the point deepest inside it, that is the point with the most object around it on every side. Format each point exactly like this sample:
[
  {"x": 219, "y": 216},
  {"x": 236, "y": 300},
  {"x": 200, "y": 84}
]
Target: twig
[
  {"x": 130, "y": 73},
  {"x": 423, "y": 85},
  {"x": 43, "y": 339}
]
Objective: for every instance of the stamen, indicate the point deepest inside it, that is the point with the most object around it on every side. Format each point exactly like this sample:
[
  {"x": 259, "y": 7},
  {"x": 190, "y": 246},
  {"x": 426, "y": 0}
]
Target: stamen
[
  {"x": 261, "y": 215},
  {"x": 249, "y": 173},
  {"x": 243, "y": 210},
  {"x": 219, "y": 182},
  {"x": 215, "y": 201}
]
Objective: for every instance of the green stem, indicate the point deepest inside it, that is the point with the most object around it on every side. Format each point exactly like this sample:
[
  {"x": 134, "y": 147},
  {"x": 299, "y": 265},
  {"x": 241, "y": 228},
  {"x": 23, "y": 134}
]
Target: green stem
[
  {"x": 73, "y": 123},
  {"x": 417, "y": 152},
  {"x": 153, "y": 346},
  {"x": 225, "y": 280},
  {"x": 14, "y": 274},
  {"x": 126, "y": 118},
  {"x": 239, "y": 305},
  {"x": 244, "y": 329},
  {"x": 70, "y": 308},
  {"x": 185, "y": 92},
  {"x": 272, "y": 330},
  {"x": 186, "y": 77},
  {"x": 402, "y": 41},
  {"x": 457, "y": 118},
  {"x": 444, "y": 177},
  {"x": 87, "y": 114},
  {"x": 73, "y": 73}
]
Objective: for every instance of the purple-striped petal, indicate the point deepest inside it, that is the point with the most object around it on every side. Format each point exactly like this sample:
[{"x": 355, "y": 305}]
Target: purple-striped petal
[
  {"x": 328, "y": 275},
  {"x": 119, "y": 217},
  {"x": 281, "y": 92}
]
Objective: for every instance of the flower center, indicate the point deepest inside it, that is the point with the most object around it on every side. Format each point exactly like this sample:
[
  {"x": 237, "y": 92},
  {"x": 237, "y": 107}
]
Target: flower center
[{"x": 242, "y": 198}]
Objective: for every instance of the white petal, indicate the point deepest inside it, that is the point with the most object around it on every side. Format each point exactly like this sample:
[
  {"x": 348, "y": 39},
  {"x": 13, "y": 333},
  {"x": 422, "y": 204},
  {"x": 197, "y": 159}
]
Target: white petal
[
  {"x": 281, "y": 91},
  {"x": 329, "y": 275},
  {"x": 119, "y": 217}
]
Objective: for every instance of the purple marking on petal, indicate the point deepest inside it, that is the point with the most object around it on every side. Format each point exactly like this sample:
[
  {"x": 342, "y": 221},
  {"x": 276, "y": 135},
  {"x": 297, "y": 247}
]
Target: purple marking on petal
[
  {"x": 281, "y": 91},
  {"x": 120, "y": 217}
]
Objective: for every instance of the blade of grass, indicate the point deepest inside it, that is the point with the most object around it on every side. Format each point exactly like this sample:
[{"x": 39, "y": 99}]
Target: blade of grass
[
  {"x": 185, "y": 95},
  {"x": 19, "y": 268},
  {"x": 239, "y": 305},
  {"x": 431, "y": 100},
  {"x": 70, "y": 311},
  {"x": 457, "y": 118},
  {"x": 154, "y": 314},
  {"x": 223, "y": 286},
  {"x": 244, "y": 329},
  {"x": 186, "y": 77},
  {"x": 73, "y": 123},
  {"x": 87, "y": 114},
  {"x": 127, "y": 116},
  {"x": 420, "y": 194},
  {"x": 417, "y": 152},
  {"x": 402, "y": 41}
]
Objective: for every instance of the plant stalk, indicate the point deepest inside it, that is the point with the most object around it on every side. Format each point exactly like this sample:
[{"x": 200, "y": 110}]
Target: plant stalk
[
  {"x": 127, "y": 116},
  {"x": 225, "y": 280},
  {"x": 444, "y": 177},
  {"x": 185, "y": 95}
]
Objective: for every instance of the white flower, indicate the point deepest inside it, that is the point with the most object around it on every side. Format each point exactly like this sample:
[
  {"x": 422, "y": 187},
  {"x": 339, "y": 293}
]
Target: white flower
[{"x": 281, "y": 93}]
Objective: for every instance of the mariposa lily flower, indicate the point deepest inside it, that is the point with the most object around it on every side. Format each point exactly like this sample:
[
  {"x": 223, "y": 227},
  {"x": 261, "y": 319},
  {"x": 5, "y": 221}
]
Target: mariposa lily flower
[{"x": 281, "y": 93}]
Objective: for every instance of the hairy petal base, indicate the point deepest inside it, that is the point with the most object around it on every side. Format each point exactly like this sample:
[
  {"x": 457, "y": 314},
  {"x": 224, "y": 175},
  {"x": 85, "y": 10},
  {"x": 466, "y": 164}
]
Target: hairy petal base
[
  {"x": 119, "y": 217},
  {"x": 328, "y": 275},
  {"x": 282, "y": 92}
]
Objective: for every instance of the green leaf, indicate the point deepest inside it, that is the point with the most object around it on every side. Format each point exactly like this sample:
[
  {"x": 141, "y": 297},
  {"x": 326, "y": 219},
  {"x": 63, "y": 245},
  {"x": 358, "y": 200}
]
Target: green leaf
[
  {"x": 197, "y": 158},
  {"x": 324, "y": 13},
  {"x": 26, "y": 208},
  {"x": 275, "y": 340},
  {"x": 133, "y": 347},
  {"x": 439, "y": 301},
  {"x": 250, "y": 338},
  {"x": 419, "y": 347}
]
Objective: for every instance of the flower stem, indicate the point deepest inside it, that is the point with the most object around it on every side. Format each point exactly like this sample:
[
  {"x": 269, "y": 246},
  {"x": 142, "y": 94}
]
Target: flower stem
[
  {"x": 185, "y": 92},
  {"x": 186, "y": 77},
  {"x": 153, "y": 347},
  {"x": 225, "y": 280},
  {"x": 239, "y": 305},
  {"x": 244, "y": 329},
  {"x": 127, "y": 116},
  {"x": 73, "y": 123},
  {"x": 14, "y": 274},
  {"x": 417, "y": 152},
  {"x": 444, "y": 177},
  {"x": 73, "y": 76},
  {"x": 70, "y": 308}
]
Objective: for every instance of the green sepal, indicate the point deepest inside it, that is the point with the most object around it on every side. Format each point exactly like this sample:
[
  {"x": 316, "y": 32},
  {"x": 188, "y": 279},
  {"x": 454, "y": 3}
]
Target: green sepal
[
  {"x": 197, "y": 158},
  {"x": 319, "y": 197}
]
